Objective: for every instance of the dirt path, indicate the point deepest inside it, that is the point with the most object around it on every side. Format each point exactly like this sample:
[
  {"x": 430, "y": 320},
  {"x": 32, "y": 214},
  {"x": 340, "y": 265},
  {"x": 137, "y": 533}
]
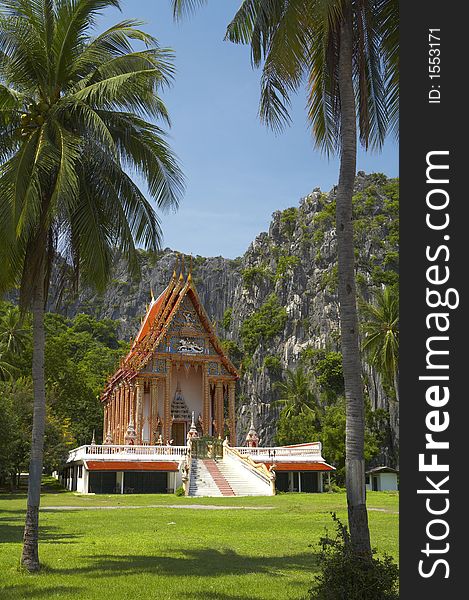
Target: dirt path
[{"x": 195, "y": 506}]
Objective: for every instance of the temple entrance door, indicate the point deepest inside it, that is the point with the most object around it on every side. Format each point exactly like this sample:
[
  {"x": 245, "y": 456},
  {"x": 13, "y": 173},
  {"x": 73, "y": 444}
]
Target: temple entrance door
[{"x": 178, "y": 434}]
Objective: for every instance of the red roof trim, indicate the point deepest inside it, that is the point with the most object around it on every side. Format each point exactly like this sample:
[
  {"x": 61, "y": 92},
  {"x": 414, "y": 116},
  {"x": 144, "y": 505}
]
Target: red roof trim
[
  {"x": 302, "y": 466},
  {"x": 117, "y": 465}
]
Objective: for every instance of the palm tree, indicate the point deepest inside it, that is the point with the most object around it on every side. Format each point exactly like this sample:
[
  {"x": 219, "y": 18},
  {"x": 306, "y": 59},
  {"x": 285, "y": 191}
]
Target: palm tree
[
  {"x": 6, "y": 368},
  {"x": 13, "y": 334},
  {"x": 296, "y": 393},
  {"x": 74, "y": 113},
  {"x": 381, "y": 334},
  {"x": 347, "y": 51}
]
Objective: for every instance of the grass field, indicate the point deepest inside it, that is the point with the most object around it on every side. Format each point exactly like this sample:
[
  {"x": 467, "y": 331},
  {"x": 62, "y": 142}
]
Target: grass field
[{"x": 147, "y": 549}]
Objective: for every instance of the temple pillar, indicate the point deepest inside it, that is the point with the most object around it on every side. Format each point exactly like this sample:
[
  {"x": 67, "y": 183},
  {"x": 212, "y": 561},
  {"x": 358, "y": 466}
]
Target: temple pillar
[
  {"x": 125, "y": 402},
  {"x": 132, "y": 403},
  {"x": 167, "y": 404},
  {"x": 139, "y": 411},
  {"x": 231, "y": 411},
  {"x": 105, "y": 419},
  {"x": 153, "y": 409},
  {"x": 219, "y": 416},
  {"x": 116, "y": 415},
  {"x": 206, "y": 401},
  {"x": 121, "y": 416},
  {"x": 113, "y": 410}
]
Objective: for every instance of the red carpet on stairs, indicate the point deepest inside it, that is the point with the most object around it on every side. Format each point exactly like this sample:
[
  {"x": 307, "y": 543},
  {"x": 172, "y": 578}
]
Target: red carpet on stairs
[{"x": 218, "y": 478}]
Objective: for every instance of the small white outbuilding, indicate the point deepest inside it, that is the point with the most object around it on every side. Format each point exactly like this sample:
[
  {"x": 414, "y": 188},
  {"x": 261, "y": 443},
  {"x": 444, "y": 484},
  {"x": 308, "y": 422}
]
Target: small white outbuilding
[{"x": 382, "y": 479}]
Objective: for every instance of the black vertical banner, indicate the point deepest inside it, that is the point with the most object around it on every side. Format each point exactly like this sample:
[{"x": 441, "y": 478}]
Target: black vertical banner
[{"x": 434, "y": 364}]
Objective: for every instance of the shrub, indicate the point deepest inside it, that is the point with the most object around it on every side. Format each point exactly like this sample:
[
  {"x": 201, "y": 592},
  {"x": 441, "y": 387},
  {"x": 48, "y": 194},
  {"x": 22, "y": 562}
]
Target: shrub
[
  {"x": 226, "y": 321},
  {"x": 180, "y": 491},
  {"x": 345, "y": 575},
  {"x": 285, "y": 265},
  {"x": 233, "y": 350},
  {"x": 288, "y": 220},
  {"x": 265, "y": 323},
  {"x": 255, "y": 275},
  {"x": 273, "y": 364}
]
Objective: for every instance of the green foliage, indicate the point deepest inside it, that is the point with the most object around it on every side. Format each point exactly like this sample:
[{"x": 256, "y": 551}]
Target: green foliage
[
  {"x": 376, "y": 220},
  {"x": 285, "y": 266},
  {"x": 296, "y": 393},
  {"x": 79, "y": 112},
  {"x": 327, "y": 370},
  {"x": 345, "y": 575},
  {"x": 264, "y": 324},
  {"x": 288, "y": 219},
  {"x": 16, "y": 410},
  {"x": 80, "y": 353},
  {"x": 330, "y": 279},
  {"x": 327, "y": 425},
  {"x": 381, "y": 333},
  {"x": 318, "y": 237},
  {"x": 234, "y": 352},
  {"x": 296, "y": 429},
  {"x": 180, "y": 491},
  {"x": 226, "y": 320},
  {"x": 273, "y": 364},
  {"x": 255, "y": 275}
]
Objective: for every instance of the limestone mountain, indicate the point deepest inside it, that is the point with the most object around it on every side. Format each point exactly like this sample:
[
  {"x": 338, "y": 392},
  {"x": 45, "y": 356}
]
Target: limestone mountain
[{"x": 279, "y": 298}]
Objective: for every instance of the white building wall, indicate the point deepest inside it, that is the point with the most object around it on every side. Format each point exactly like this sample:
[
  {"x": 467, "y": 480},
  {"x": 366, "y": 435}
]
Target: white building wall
[
  {"x": 388, "y": 482},
  {"x": 191, "y": 387}
]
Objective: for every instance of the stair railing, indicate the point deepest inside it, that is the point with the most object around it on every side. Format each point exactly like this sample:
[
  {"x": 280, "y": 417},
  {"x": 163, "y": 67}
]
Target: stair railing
[
  {"x": 186, "y": 469},
  {"x": 259, "y": 469}
]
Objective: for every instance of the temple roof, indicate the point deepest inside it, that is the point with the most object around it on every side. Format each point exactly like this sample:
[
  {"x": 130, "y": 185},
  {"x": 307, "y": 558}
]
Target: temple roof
[{"x": 155, "y": 325}]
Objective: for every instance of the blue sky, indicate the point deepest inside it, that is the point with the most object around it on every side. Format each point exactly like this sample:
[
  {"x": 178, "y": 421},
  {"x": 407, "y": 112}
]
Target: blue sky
[{"x": 237, "y": 171}]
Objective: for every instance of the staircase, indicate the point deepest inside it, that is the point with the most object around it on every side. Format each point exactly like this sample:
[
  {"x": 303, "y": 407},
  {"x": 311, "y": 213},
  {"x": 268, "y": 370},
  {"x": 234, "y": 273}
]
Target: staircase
[
  {"x": 202, "y": 482},
  {"x": 242, "y": 481},
  {"x": 223, "y": 477}
]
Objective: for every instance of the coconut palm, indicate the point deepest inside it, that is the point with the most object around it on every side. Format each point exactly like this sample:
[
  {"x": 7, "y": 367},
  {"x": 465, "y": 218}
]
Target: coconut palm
[
  {"x": 381, "y": 334},
  {"x": 13, "y": 333},
  {"x": 7, "y": 370},
  {"x": 296, "y": 394},
  {"x": 74, "y": 116},
  {"x": 347, "y": 53}
]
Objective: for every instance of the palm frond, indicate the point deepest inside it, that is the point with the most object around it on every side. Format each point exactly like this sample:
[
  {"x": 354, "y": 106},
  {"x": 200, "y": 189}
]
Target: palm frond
[{"x": 182, "y": 8}]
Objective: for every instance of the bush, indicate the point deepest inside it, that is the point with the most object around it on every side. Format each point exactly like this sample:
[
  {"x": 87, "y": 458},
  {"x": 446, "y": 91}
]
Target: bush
[
  {"x": 265, "y": 323},
  {"x": 180, "y": 491},
  {"x": 346, "y": 576},
  {"x": 255, "y": 275},
  {"x": 273, "y": 364}
]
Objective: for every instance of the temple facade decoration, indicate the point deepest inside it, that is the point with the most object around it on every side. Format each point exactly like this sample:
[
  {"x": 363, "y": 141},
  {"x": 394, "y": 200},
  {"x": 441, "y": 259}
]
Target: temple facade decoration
[{"x": 176, "y": 374}]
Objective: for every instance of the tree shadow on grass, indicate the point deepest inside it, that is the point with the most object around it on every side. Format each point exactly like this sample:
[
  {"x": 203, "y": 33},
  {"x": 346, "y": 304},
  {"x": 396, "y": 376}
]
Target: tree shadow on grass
[
  {"x": 20, "y": 592},
  {"x": 12, "y": 528},
  {"x": 198, "y": 563}
]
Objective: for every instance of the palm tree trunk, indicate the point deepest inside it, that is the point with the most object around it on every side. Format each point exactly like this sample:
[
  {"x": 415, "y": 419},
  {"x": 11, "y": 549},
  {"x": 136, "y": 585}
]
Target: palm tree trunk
[
  {"x": 355, "y": 410},
  {"x": 30, "y": 556}
]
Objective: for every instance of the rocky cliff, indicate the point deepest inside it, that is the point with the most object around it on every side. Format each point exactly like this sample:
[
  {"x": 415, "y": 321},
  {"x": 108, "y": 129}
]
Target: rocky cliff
[{"x": 280, "y": 297}]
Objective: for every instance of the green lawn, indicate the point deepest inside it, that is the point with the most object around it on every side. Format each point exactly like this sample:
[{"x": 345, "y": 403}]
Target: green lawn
[{"x": 168, "y": 553}]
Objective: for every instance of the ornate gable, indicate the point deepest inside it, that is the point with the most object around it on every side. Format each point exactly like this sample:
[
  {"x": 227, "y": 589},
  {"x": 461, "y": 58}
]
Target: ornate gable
[{"x": 176, "y": 323}]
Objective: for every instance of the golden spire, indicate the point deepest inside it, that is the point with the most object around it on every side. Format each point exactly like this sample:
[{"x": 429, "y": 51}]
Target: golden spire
[
  {"x": 189, "y": 277},
  {"x": 181, "y": 276}
]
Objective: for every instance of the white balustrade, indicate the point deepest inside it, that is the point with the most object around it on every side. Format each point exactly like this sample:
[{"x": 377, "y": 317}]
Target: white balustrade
[
  {"x": 281, "y": 452},
  {"x": 115, "y": 452}
]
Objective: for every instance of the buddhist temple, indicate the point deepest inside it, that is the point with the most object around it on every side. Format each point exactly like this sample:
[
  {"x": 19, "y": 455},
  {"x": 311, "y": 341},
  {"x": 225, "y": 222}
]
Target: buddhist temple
[
  {"x": 170, "y": 417},
  {"x": 176, "y": 366}
]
